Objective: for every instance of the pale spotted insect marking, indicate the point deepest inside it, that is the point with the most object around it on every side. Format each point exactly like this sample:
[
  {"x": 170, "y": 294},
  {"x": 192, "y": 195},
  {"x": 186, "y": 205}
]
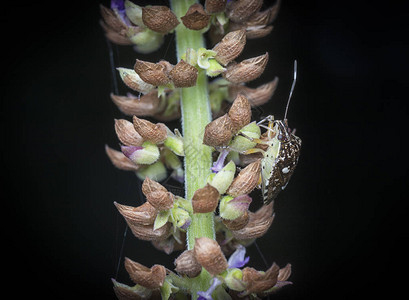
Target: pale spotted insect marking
[
  {"x": 281, "y": 156},
  {"x": 279, "y": 160}
]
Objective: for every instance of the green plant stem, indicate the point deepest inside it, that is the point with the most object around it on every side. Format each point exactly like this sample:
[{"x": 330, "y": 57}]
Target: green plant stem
[{"x": 196, "y": 115}]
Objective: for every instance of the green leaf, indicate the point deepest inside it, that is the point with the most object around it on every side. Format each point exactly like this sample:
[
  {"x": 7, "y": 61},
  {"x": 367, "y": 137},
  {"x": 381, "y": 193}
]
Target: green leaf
[
  {"x": 167, "y": 289},
  {"x": 161, "y": 219}
]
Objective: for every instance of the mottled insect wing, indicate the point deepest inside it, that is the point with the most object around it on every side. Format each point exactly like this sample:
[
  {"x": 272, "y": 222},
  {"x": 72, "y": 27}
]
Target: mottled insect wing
[{"x": 283, "y": 169}]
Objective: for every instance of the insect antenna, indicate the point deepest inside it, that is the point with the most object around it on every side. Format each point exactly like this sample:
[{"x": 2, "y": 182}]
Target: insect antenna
[{"x": 292, "y": 89}]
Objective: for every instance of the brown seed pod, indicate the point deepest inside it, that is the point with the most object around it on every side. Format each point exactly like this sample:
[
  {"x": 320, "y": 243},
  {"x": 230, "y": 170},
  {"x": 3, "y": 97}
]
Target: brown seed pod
[
  {"x": 154, "y": 74},
  {"x": 284, "y": 273},
  {"x": 127, "y": 134},
  {"x": 230, "y": 46},
  {"x": 240, "y": 10},
  {"x": 208, "y": 253},
  {"x": 256, "y": 96},
  {"x": 215, "y": 6},
  {"x": 115, "y": 29},
  {"x": 259, "y": 223},
  {"x": 170, "y": 244},
  {"x": 247, "y": 70},
  {"x": 155, "y": 133},
  {"x": 151, "y": 278},
  {"x": 144, "y": 214},
  {"x": 218, "y": 132},
  {"x": 237, "y": 223},
  {"x": 147, "y": 233},
  {"x": 195, "y": 18},
  {"x": 149, "y": 186},
  {"x": 186, "y": 264},
  {"x": 120, "y": 161},
  {"x": 125, "y": 292},
  {"x": 246, "y": 181},
  {"x": 240, "y": 112},
  {"x": 183, "y": 75},
  {"x": 159, "y": 18},
  {"x": 257, "y": 32},
  {"x": 133, "y": 81},
  {"x": 205, "y": 200},
  {"x": 146, "y": 105},
  {"x": 161, "y": 200},
  {"x": 157, "y": 195},
  {"x": 257, "y": 282}
]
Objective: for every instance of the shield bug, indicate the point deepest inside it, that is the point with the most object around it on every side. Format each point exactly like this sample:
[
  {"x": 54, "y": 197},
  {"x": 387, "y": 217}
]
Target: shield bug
[{"x": 280, "y": 157}]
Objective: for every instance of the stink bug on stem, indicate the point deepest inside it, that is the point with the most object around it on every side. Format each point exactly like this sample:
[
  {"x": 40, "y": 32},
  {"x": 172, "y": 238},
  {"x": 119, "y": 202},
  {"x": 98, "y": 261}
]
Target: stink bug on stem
[{"x": 281, "y": 155}]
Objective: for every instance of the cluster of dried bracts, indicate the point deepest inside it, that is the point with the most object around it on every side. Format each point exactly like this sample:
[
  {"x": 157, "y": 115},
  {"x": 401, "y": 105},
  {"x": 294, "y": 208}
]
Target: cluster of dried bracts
[{"x": 150, "y": 149}]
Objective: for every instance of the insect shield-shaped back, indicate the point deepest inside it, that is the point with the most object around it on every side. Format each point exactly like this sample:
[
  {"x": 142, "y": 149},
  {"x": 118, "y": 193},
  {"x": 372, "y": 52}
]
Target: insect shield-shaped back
[{"x": 280, "y": 160}]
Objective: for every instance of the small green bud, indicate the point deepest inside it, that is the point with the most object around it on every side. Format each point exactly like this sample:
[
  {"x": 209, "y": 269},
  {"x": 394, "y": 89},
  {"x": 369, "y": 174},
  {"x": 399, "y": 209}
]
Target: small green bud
[
  {"x": 234, "y": 279},
  {"x": 174, "y": 142},
  {"x": 231, "y": 208},
  {"x": 156, "y": 171},
  {"x": 183, "y": 203},
  {"x": 221, "y": 18},
  {"x": 214, "y": 68},
  {"x": 148, "y": 43},
  {"x": 181, "y": 218},
  {"x": 203, "y": 56},
  {"x": 242, "y": 143},
  {"x": 134, "y": 13},
  {"x": 222, "y": 180},
  {"x": 161, "y": 219}
]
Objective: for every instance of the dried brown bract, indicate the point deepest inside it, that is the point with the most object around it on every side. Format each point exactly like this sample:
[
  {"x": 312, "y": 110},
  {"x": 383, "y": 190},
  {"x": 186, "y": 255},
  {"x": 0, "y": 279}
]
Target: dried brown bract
[
  {"x": 218, "y": 132},
  {"x": 215, "y": 6},
  {"x": 115, "y": 29},
  {"x": 205, "y": 200},
  {"x": 127, "y": 134},
  {"x": 247, "y": 70},
  {"x": 240, "y": 112},
  {"x": 183, "y": 75},
  {"x": 171, "y": 244},
  {"x": 258, "y": 224},
  {"x": 264, "y": 17},
  {"x": 159, "y": 18},
  {"x": 240, "y": 10},
  {"x": 151, "y": 278},
  {"x": 246, "y": 181},
  {"x": 120, "y": 161},
  {"x": 155, "y": 133},
  {"x": 208, "y": 253},
  {"x": 133, "y": 81},
  {"x": 124, "y": 292},
  {"x": 230, "y": 46},
  {"x": 146, "y": 105},
  {"x": 186, "y": 264},
  {"x": 237, "y": 223},
  {"x": 258, "y": 282},
  {"x": 256, "y": 96},
  {"x": 257, "y": 32},
  {"x": 144, "y": 214},
  {"x": 154, "y": 74},
  {"x": 196, "y": 18},
  {"x": 147, "y": 233},
  {"x": 157, "y": 195}
]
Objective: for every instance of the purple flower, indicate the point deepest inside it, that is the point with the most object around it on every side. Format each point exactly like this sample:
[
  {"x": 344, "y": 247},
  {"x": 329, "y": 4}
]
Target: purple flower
[
  {"x": 237, "y": 259},
  {"x": 218, "y": 165},
  {"x": 208, "y": 294},
  {"x": 118, "y": 6}
]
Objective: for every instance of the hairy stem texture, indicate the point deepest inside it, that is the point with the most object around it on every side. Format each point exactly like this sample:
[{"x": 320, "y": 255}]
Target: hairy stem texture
[{"x": 196, "y": 115}]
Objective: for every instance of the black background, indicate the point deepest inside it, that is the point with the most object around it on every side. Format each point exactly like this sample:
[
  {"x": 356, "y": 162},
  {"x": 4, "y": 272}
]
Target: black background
[{"x": 341, "y": 222}]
